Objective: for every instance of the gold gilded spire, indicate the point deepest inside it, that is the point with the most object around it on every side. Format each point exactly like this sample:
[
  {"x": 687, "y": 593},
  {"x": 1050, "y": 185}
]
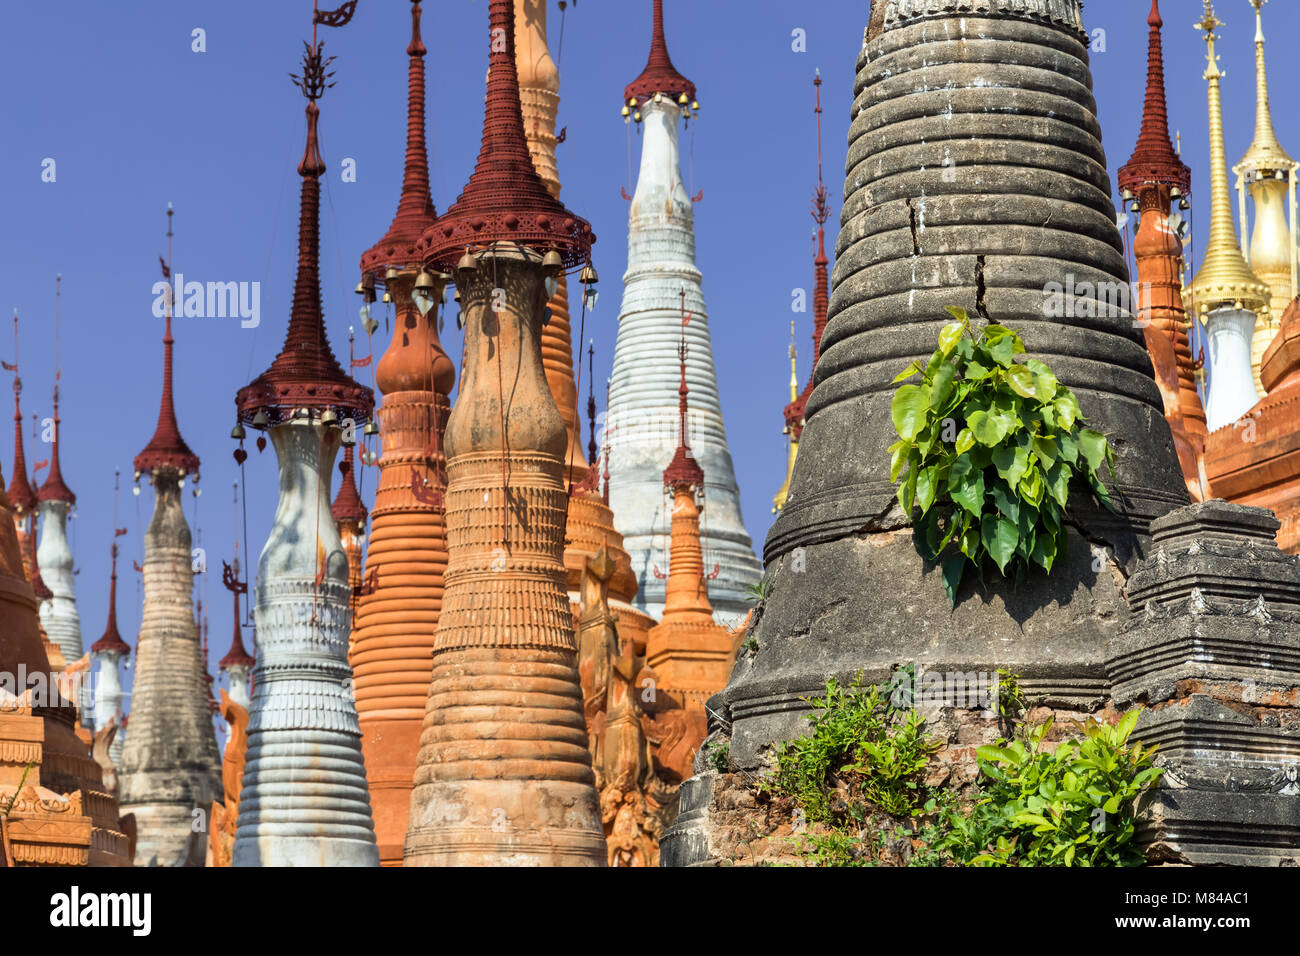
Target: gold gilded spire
[
  {"x": 778, "y": 501},
  {"x": 1224, "y": 279},
  {"x": 1265, "y": 153}
]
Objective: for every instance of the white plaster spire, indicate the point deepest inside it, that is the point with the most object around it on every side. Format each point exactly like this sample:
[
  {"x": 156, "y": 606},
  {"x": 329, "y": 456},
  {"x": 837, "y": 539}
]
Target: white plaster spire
[{"x": 642, "y": 417}]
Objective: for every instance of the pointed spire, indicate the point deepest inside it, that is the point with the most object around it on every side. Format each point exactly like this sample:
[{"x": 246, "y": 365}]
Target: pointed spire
[
  {"x": 659, "y": 75},
  {"x": 1223, "y": 279},
  {"x": 683, "y": 471},
  {"x": 111, "y": 641},
  {"x": 21, "y": 495},
  {"x": 236, "y": 656},
  {"x": 791, "y": 429},
  {"x": 348, "y": 505},
  {"x": 1265, "y": 152},
  {"x": 54, "y": 488},
  {"x": 1154, "y": 159},
  {"x": 306, "y": 374},
  {"x": 415, "y": 210},
  {"x": 167, "y": 449},
  {"x": 505, "y": 200}
]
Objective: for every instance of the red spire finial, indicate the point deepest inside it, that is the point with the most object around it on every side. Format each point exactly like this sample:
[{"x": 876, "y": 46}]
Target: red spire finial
[
  {"x": 415, "y": 211},
  {"x": 659, "y": 75},
  {"x": 112, "y": 641},
  {"x": 54, "y": 488},
  {"x": 1154, "y": 160},
  {"x": 236, "y": 656},
  {"x": 21, "y": 495},
  {"x": 683, "y": 469},
  {"x": 505, "y": 200},
  {"x": 348, "y": 505},
  {"x": 306, "y": 374},
  {"x": 167, "y": 450}
]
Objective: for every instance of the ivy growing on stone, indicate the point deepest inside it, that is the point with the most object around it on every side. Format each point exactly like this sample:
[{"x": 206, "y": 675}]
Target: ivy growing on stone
[{"x": 988, "y": 450}]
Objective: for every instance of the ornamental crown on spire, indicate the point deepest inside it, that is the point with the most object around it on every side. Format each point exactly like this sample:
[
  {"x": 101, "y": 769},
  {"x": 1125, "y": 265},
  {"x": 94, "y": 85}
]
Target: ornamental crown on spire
[
  {"x": 1154, "y": 160},
  {"x": 659, "y": 75},
  {"x": 306, "y": 375},
  {"x": 415, "y": 210},
  {"x": 683, "y": 470},
  {"x": 21, "y": 495},
  {"x": 505, "y": 200},
  {"x": 111, "y": 642}
]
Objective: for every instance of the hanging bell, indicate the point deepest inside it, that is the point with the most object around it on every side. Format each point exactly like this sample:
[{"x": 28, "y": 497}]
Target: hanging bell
[
  {"x": 260, "y": 420},
  {"x": 388, "y": 297},
  {"x": 391, "y": 274},
  {"x": 637, "y": 116},
  {"x": 329, "y": 417},
  {"x": 683, "y": 99},
  {"x": 371, "y": 428},
  {"x": 588, "y": 275},
  {"x": 465, "y": 268},
  {"x": 236, "y": 432},
  {"x": 424, "y": 293}
]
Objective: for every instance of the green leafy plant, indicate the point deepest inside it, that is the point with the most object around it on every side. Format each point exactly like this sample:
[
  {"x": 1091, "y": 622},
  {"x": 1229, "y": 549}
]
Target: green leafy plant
[
  {"x": 759, "y": 591},
  {"x": 875, "y": 752},
  {"x": 1074, "y": 806},
  {"x": 718, "y": 754},
  {"x": 988, "y": 449}
]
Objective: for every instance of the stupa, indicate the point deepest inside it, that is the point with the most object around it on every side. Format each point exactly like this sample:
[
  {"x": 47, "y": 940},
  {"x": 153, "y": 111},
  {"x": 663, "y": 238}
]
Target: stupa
[
  {"x": 1225, "y": 294},
  {"x": 397, "y": 614},
  {"x": 109, "y": 651},
  {"x": 590, "y": 524},
  {"x": 22, "y": 498},
  {"x": 170, "y": 763},
  {"x": 1268, "y": 174},
  {"x": 1154, "y": 179},
  {"x": 350, "y": 515},
  {"x": 238, "y": 663},
  {"x": 304, "y": 800},
  {"x": 504, "y": 774},
  {"x": 796, "y": 411},
  {"x": 642, "y": 415}
]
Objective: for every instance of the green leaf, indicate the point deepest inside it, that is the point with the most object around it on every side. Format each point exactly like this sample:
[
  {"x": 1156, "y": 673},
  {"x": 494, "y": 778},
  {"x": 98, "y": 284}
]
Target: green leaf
[
  {"x": 966, "y": 485},
  {"x": 907, "y": 490},
  {"x": 953, "y": 568},
  {"x": 1000, "y": 538},
  {"x": 1011, "y": 463},
  {"x": 1045, "y": 382},
  {"x": 1093, "y": 446},
  {"x": 941, "y": 386},
  {"x": 1046, "y": 449},
  {"x": 976, "y": 372},
  {"x": 1021, "y": 381},
  {"x": 957, "y": 312},
  {"x": 950, "y": 336},
  {"x": 1126, "y": 724},
  {"x": 898, "y": 453},
  {"x": 909, "y": 408},
  {"x": 987, "y": 429},
  {"x": 1006, "y": 502},
  {"x": 907, "y": 373},
  {"x": 927, "y": 486},
  {"x": 1031, "y": 486},
  {"x": 1067, "y": 409},
  {"x": 1044, "y": 554},
  {"x": 965, "y": 439}
]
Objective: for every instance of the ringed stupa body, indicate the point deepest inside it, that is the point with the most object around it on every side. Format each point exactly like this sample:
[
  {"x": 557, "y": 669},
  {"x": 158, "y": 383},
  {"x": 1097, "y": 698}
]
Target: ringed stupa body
[
  {"x": 642, "y": 416},
  {"x": 170, "y": 763},
  {"x": 304, "y": 800},
  {"x": 59, "y": 614}
]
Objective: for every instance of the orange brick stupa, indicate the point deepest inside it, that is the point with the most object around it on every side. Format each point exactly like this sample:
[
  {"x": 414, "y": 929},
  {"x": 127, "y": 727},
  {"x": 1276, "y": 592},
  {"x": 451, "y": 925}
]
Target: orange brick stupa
[
  {"x": 504, "y": 774},
  {"x": 590, "y": 522},
  {"x": 691, "y": 653},
  {"x": 56, "y": 808},
  {"x": 1154, "y": 179},
  {"x": 392, "y": 652}
]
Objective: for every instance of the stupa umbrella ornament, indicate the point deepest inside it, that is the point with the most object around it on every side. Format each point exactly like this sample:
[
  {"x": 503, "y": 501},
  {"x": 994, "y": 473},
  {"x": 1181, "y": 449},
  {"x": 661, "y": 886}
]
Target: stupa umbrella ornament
[
  {"x": 169, "y": 761},
  {"x": 504, "y": 773},
  {"x": 304, "y": 799}
]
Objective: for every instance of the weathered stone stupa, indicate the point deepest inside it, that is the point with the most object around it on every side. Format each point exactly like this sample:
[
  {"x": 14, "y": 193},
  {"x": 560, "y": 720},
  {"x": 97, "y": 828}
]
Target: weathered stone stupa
[
  {"x": 304, "y": 800},
  {"x": 392, "y": 652},
  {"x": 504, "y": 774},
  {"x": 1225, "y": 294},
  {"x": 1155, "y": 179},
  {"x": 170, "y": 763},
  {"x": 590, "y": 524},
  {"x": 642, "y": 416},
  {"x": 1268, "y": 174},
  {"x": 1002, "y": 96},
  {"x": 109, "y": 651}
]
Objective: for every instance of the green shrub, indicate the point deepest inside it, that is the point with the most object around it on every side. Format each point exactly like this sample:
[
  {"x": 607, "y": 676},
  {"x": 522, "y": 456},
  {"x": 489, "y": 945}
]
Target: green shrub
[{"x": 988, "y": 448}]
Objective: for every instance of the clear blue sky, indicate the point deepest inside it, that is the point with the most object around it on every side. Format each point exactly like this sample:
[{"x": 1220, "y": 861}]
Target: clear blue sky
[{"x": 134, "y": 119}]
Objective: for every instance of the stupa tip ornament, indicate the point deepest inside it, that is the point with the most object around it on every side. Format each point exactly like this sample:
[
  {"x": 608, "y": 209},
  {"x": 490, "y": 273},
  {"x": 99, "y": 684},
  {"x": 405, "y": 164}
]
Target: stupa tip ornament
[
  {"x": 683, "y": 471},
  {"x": 348, "y": 506},
  {"x": 1224, "y": 280},
  {"x": 21, "y": 495},
  {"x": 1154, "y": 159},
  {"x": 111, "y": 641},
  {"x": 505, "y": 200},
  {"x": 415, "y": 210},
  {"x": 55, "y": 488},
  {"x": 167, "y": 449},
  {"x": 659, "y": 77},
  {"x": 1265, "y": 152},
  {"x": 305, "y": 378}
]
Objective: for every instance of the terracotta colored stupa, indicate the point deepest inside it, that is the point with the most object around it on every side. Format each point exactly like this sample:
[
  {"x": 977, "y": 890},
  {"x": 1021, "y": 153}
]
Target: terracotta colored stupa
[
  {"x": 60, "y": 812},
  {"x": 397, "y": 613},
  {"x": 1155, "y": 179},
  {"x": 350, "y": 519},
  {"x": 504, "y": 774},
  {"x": 304, "y": 800},
  {"x": 590, "y": 522}
]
